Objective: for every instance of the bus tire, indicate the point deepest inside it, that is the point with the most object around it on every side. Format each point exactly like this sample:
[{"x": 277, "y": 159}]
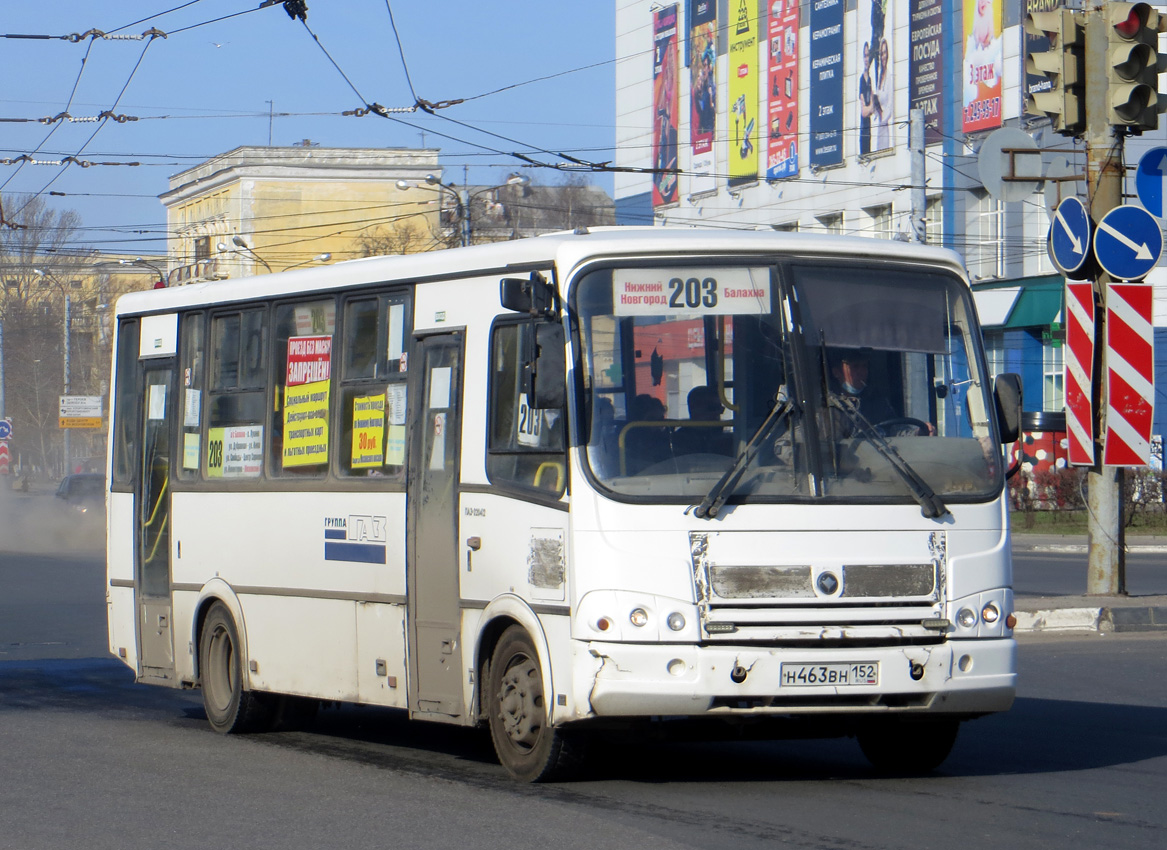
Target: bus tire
[
  {"x": 897, "y": 747},
  {"x": 527, "y": 745},
  {"x": 230, "y": 708}
]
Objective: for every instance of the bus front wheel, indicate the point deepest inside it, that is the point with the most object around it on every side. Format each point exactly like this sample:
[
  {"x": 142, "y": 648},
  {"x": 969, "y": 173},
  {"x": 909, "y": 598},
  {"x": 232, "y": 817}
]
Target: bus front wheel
[
  {"x": 905, "y": 747},
  {"x": 527, "y": 745},
  {"x": 230, "y": 707}
]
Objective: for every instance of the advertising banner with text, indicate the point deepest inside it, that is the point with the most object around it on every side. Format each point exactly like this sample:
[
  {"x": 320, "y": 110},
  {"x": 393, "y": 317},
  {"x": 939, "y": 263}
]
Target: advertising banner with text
[
  {"x": 782, "y": 91},
  {"x": 826, "y": 83},
  {"x": 981, "y": 69},
  {"x": 666, "y": 97},
  {"x": 926, "y": 74},
  {"x": 702, "y": 93},
  {"x": 743, "y": 94}
]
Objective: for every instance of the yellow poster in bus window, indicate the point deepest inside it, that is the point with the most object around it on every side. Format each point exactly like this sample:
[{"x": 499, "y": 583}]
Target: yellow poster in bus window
[
  {"x": 306, "y": 424},
  {"x": 368, "y": 431}
]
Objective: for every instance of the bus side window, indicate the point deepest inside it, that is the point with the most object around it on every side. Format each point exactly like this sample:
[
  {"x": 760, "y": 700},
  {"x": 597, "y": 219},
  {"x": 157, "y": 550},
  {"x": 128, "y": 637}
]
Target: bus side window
[
  {"x": 301, "y": 398},
  {"x": 373, "y": 387},
  {"x": 191, "y": 396},
  {"x": 127, "y": 417},
  {"x": 525, "y": 445},
  {"x": 234, "y": 411}
]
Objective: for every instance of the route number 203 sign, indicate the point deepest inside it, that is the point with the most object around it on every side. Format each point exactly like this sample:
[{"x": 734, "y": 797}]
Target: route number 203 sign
[{"x": 694, "y": 291}]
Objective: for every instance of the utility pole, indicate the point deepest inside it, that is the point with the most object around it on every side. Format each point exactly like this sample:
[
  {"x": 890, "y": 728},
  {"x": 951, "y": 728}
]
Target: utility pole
[
  {"x": 1104, "y": 181},
  {"x": 919, "y": 175},
  {"x": 67, "y": 443},
  {"x": 1104, "y": 65}
]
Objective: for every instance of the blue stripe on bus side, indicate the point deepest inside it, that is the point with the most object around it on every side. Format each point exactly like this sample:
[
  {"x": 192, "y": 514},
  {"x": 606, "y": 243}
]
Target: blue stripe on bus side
[
  {"x": 334, "y": 534},
  {"x": 365, "y": 553}
]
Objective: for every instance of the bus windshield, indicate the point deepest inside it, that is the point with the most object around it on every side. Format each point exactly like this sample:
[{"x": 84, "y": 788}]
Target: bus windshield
[{"x": 791, "y": 381}]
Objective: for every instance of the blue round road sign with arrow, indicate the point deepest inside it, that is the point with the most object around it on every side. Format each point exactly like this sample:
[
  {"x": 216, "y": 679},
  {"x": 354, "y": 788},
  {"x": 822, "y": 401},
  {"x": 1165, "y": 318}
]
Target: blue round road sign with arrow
[
  {"x": 1150, "y": 178},
  {"x": 1128, "y": 242},
  {"x": 1069, "y": 236}
]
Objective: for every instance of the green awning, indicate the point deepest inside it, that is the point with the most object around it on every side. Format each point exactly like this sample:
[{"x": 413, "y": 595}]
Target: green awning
[
  {"x": 1039, "y": 303},
  {"x": 1037, "y": 307}
]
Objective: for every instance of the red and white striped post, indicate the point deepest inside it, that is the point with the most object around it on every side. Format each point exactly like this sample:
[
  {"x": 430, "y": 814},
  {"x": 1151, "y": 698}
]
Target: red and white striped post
[
  {"x": 1130, "y": 386},
  {"x": 1079, "y": 373}
]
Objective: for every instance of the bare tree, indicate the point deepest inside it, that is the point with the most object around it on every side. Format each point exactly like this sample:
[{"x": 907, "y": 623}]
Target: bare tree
[
  {"x": 403, "y": 237},
  {"x": 39, "y": 263}
]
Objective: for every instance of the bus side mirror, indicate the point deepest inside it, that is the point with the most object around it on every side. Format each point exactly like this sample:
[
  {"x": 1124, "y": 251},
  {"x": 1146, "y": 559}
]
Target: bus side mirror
[
  {"x": 533, "y": 295},
  {"x": 546, "y": 371},
  {"x": 1007, "y": 393}
]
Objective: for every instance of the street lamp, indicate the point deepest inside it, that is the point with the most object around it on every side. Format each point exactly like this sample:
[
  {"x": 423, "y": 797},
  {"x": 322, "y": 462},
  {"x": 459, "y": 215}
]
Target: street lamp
[
  {"x": 463, "y": 196},
  {"x": 239, "y": 243},
  {"x": 66, "y": 333},
  {"x": 319, "y": 258},
  {"x": 138, "y": 261}
]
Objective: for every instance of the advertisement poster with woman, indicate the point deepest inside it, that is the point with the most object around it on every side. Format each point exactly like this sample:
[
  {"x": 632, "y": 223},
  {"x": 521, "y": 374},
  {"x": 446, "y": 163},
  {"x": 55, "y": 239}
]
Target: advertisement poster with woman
[
  {"x": 983, "y": 56},
  {"x": 665, "y": 98},
  {"x": 876, "y": 101},
  {"x": 782, "y": 91},
  {"x": 703, "y": 92}
]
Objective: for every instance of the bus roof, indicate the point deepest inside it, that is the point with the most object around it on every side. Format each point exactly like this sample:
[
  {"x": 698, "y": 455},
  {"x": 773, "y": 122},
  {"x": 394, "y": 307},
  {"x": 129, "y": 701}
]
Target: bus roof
[{"x": 565, "y": 250}]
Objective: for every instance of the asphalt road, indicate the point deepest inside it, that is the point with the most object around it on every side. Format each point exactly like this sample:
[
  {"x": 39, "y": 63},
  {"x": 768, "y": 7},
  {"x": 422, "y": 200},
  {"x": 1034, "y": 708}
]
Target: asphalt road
[
  {"x": 90, "y": 759},
  {"x": 1064, "y": 573}
]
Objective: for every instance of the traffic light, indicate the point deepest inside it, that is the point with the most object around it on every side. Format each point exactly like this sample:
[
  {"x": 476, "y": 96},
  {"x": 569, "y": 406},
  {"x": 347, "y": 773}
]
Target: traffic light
[
  {"x": 1133, "y": 66},
  {"x": 1065, "y": 66}
]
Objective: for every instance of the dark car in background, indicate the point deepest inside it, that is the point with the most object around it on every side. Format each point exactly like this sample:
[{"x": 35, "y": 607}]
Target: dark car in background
[{"x": 84, "y": 491}]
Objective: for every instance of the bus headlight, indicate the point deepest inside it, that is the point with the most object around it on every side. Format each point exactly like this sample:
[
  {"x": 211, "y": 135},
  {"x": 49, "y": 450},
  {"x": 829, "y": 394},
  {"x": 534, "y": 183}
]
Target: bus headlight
[
  {"x": 990, "y": 614},
  {"x": 967, "y": 618},
  {"x": 638, "y": 617},
  {"x": 676, "y": 621}
]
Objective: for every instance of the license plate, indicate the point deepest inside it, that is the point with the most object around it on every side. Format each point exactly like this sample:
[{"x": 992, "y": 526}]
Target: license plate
[{"x": 842, "y": 674}]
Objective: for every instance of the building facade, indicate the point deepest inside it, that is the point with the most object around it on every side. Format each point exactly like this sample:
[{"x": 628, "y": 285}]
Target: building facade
[{"x": 258, "y": 209}]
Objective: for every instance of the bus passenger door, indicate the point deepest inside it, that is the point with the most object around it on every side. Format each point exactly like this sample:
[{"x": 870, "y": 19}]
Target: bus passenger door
[
  {"x": 435, "y": 654},
  {"x": 152, "y": 529}
]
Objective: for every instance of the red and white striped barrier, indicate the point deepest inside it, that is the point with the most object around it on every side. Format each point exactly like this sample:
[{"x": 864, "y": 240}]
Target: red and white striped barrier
[
  {"x": 1079, "y": 373},
  {"x": 1130, "y": 403}
]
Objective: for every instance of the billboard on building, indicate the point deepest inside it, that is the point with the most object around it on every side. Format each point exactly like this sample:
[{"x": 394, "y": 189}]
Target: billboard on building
[
  {"x": 875, "y": 110},
  {"x": 826, "y": 83},
  {"x": 782, "y": 91},
  {"x": 742, "y": 121},
  {"x": 666, "y": 99},
  {"x": 702, "y": 92},
  {"x": 926, "y": 67},
  {"x": 983, "y": 57}
]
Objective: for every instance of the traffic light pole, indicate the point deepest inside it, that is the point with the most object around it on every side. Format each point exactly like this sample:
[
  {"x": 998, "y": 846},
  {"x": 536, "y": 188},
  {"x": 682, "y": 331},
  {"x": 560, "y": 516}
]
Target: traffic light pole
[{"x": 1106, "y": 572}]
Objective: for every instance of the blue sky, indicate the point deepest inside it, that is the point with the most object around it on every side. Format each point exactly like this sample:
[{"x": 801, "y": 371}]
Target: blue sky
[{"x": 204, "y": 89}]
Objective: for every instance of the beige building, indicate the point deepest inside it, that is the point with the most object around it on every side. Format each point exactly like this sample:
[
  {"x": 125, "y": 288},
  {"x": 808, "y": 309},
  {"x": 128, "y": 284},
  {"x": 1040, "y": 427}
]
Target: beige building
[{"x": 259, "y": 209}]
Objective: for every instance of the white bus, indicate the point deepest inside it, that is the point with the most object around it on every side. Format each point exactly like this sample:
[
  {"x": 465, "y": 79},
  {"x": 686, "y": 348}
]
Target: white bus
[{"x": 572, "y": 483}]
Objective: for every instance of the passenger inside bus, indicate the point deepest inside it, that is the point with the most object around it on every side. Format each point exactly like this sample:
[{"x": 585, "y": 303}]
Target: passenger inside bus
[
  {"x": 705, "y": 433},
  {"x": 644, "y": 442}
]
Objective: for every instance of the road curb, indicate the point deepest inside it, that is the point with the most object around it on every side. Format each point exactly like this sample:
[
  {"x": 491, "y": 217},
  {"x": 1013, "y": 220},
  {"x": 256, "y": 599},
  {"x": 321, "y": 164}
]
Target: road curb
[
  {"x": 1152, "y": 549},
  {"x": 1146, "y": 618}
]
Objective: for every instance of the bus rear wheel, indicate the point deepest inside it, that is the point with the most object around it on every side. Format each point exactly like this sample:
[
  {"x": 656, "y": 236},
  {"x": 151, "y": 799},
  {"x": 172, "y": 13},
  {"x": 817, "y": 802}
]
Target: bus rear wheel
[
  {"x": 906, "y": 747},
  {"x": 527, "y": 745},
  {"x": 229, "y": 706}
]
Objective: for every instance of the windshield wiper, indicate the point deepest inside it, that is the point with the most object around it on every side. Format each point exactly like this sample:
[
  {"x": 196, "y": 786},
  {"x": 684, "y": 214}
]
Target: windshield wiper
[
  {"x": 931, "y": 505},
  {"x": 715, "y": 498}
]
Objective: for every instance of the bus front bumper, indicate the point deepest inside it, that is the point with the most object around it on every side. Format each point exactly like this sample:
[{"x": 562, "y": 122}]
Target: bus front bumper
[{"x": 958, "y": 677}]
